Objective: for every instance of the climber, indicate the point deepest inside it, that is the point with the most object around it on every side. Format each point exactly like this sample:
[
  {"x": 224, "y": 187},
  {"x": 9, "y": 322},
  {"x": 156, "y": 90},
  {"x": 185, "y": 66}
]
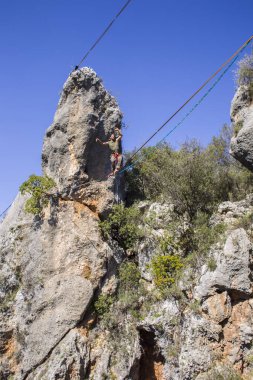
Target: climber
[{"x": 115, "y": 147}]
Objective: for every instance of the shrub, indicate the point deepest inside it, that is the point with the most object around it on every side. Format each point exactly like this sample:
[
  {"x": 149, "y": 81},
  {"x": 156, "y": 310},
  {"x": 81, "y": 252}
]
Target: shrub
[
  {"x": 250, "y": 89},
  {"x": 122, "y": 225},
  {"x": 244, "y": 74},
  {"x": 238, "y": 126},
  {"x": 103, "y": 304},
  {"x": 38, "y": 187},
  {"x": 223, "y": 373},
  {"x": 245, "y": 221},
  {"x": 126, "y": 299},
  {"x": 9, "y": 299},
  {"x": 129, "y": 276},
  {"x": 195, "y": 306},
  {"x": 130, "y": 289},
  {"x": 165, "y": 269},
  {"x": 193, "y": 178},
  {"x": 204, "y": 235},
  {"x": 211, "y": 264},
  {"x": 167, "y": 244},
  {"x": 249, "y": 359}
]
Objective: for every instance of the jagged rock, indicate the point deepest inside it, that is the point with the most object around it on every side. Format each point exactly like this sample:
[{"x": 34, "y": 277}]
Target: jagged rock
[
  {"x": 218, "y": 307},
  {"x": 233, "y": 268},
  {"x": 230, "y": 213},
  {"x": 157, "y": 217},
  {"x": 69, "y": 359},
  {"x": 242, "y": 119},
  {"x": 71, "y": 157},
  {"x": 51, "y": 266},
  {"x": 196, "y": 355}
]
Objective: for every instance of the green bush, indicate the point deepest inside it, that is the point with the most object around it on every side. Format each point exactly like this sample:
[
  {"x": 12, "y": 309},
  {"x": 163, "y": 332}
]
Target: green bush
[
  {"x": 165, "y": 269},
  {"x": 122, "y": 225},
  {"x": 245, "y": 70},
  {"x": 38, "y": 187},
  {"x": 103, "y": 304},
  {"x": 129, "y": 276},
  {"x": 193, "y": 178},
  {"x": 251, "y": 91},
  {"x": 211, "y": 264},
  {"x": 245, "y": 221},
  {"x": 195, "y": 306},
  {"x": 204, "y": 235},
  {"x": 223, "y": 373},
  {"x": 112, "y": 310},
  {"x": 238, "y": 126},
  {"x": 130, "y": 289},
  {"x": 168, "y": 244}
]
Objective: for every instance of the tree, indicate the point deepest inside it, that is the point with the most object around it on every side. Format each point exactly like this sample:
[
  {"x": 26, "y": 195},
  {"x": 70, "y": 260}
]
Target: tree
[{"x": 39, "y": 188}]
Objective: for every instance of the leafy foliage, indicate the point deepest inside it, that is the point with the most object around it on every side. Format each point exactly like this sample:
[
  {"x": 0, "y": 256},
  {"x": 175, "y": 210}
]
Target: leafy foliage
[
  {"x": 129, "y": 276},
  {"x": 204, "y": 235},
  {"x": 130, "y": 289},
  {"x": 244, "y": 73},
  {"x": 237, "y": 127},
  {"x": 122, "y": 225},
  {"x": 245, "y": 221},
  {"x": 38, "y": 187},
  {"x": 167, "y": 243},
  {"x": 194, "y": 178},
  {"x": 223, "y": 373},
  {"x": 211, "y": 264},
  {"x": 103, "y": 304},
  {"x": 164, "y": 269},
  {"x": 127, "y": 299}
]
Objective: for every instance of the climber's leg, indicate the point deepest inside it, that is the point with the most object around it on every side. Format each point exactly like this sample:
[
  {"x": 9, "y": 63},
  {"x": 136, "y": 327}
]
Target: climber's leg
[
  {"x": 118, "y": 163},
  {"x": 113, "y": 164}
]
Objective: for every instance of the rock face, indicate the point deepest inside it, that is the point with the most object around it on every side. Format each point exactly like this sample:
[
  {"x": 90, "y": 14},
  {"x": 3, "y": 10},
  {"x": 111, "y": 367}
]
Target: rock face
[
  {"x": 51, "y": 267},
  {"x": 71, "y": 156},
  {"x": 242, "y": 119},
  {"x": 54, "y": 267}
]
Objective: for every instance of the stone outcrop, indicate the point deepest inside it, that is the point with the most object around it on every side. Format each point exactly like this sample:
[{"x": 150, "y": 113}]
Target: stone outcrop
[
  {"x": 242, "y": 119},
  {"x": 71, "y": 157},
  {"x": 55, "y": 266},
  {"x": 52, "y": 266}
]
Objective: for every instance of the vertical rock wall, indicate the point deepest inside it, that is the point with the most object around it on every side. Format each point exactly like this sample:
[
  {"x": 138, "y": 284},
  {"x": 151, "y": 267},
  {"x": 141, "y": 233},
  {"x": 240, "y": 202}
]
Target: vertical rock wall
[
  {"x": 242, "y": 119},
  {"x": 52, "y": 266}
]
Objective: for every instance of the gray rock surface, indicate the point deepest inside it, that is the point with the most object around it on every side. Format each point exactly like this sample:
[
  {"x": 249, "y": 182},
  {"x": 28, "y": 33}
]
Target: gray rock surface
[
  {"x": 242, "y": 119},
  {"x": 233, "y": 268},
  {"x": 70, "y": 155},
  {"x": 230, "y": 213},
  {"x": 52, "y": 266}
]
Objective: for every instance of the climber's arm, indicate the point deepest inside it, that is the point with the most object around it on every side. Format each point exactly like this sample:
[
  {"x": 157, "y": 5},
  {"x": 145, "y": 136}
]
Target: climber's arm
[{"x": 102, "y": 142}]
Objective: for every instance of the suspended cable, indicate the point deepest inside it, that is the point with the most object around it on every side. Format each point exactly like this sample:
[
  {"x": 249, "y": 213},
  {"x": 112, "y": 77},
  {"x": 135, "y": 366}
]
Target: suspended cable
[
  {"x": 188, "y": 100},
  {"x": 5, "y": 211},
  {"x": 104, "y": 33},
  {"x": 188, "y": 113}
]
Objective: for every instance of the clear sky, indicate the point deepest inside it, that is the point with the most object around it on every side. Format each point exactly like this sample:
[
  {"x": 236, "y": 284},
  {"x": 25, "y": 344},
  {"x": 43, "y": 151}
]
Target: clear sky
[{"x": 154, "y": 57}]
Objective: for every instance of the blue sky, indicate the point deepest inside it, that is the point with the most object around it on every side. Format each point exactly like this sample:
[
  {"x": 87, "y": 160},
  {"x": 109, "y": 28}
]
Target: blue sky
[{"x": 154, "y": 57}]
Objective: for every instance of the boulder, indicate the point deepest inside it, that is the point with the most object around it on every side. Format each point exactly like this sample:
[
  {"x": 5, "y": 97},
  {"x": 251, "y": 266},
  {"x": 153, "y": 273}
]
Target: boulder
[{"x": 242, "y": 119}]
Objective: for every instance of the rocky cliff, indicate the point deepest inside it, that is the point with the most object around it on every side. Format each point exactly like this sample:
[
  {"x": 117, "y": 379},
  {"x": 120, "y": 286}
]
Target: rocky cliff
[
  {"x": 242, "y": 119},
  {"x": 52, "y": 266},
  {"x": 55, "y": 267}
]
